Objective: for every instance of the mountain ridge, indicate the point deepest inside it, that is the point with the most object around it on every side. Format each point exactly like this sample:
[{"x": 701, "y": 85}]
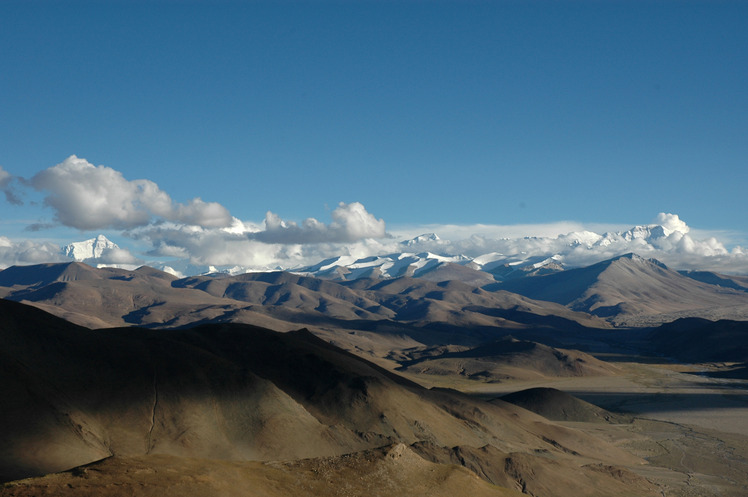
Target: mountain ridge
[
  {"x": 504, "y": 258},
  {"x": 627, "y": 290},
  {"x": 627, "y": 286}
]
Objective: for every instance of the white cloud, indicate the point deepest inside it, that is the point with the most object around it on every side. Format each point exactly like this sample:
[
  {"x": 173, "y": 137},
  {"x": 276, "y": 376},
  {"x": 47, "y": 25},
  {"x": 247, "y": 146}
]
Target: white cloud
[
  {"x": 206, "y": 246},
  {"x": 351, "y": 222},
  {"x": 277, "y": 243},
  {"x": 89, "y": 197},
  {"x": 489, "y": 231},
  {"x": 672, "y": 223},
  {"x": 200, "y": 213},
  {"x": 118, "y": 255},
  {"x": 28, "y": 252}
]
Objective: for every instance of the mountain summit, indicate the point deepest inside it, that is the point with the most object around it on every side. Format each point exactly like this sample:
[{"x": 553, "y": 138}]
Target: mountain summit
[
  {"x": 625, "y": 286},
  {"x": 92, "y": 248}
]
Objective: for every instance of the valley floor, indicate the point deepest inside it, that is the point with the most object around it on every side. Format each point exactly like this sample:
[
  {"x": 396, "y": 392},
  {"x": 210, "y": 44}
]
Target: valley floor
[{"x": 692, "y": 429}]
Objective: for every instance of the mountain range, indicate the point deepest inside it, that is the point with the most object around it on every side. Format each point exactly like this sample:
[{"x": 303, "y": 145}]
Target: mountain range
[
  {"x": 624, "y": 291},
  {"x": 429, "y": 256}
]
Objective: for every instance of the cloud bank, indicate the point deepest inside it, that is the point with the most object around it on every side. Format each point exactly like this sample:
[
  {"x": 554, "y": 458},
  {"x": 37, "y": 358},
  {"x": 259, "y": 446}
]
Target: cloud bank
[
  {"x": 26, "y": 252},
  {"x": 276, "y": 243},
  {"x": 355, "y": 233},
  {"x": 197, "y": 235},
  {"x": 351, "y": 222},
  {"x": 666, "y": 239}
]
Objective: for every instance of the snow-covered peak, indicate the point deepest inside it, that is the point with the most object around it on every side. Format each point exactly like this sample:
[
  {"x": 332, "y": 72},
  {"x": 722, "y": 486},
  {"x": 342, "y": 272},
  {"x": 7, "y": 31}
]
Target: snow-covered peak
[
  {"x": 424, "y": 238},
  {"x": 381, "y": 266},
  {"x": 586, "y": 238},
  {"x": 649, "y": 232},
  {"x": 170, "y": 270},
  {"x": 550, "y": 261},
  {"x": 484, "y": 259},
  {"x": 643, "y": 234},
  {"x": 89, "y": 249}
]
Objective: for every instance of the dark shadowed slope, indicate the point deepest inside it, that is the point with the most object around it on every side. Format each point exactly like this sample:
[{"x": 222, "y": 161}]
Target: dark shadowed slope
[
  {"x": 230, "y": 392},
  {"x": 723, "y": 280},
  {"x": 560, "y": 406},
  {"x": 509, "y": 358},
  {"x": 79, "y": 395},
  {"x": 701, "y": 340}
]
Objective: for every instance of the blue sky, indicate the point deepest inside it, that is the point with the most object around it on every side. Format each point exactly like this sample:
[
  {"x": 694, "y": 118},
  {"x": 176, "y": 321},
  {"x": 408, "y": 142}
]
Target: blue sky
[{"x": 426, "y": 113}]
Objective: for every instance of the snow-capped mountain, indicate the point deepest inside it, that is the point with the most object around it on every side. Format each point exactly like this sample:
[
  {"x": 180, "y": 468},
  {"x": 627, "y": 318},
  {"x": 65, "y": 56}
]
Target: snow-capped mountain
[
  {"x": 519, "y": 258},
  {"x": 92, "y": 248},
  {"x": 382, "y": 266},
  {"x": 651, "y": 234},
  {"x": 428, "y": 256},
  {"x": 490, "y": 267},
  {"x": 420, "y": 239}
]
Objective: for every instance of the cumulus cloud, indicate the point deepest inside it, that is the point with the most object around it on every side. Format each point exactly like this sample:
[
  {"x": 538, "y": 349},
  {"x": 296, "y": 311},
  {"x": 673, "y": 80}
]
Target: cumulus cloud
[
  {"x": 118, "y": 256},
  {"x": 274, "y": 244},
  {"x": 351, "y": 222},
  {"x": 672, "y": 223},
  {"x": 205, "y": 246},
  {"x": 89, "y": 197}
]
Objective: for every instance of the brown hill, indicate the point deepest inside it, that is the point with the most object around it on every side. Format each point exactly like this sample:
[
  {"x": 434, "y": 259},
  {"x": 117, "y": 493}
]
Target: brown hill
[
  {"x": 723, "y": 280},
  {"x": 701, "y": 340},
  {"x": 412, "y": 300},
  {"x": 508, "y": 358},
  {"x": 424, "y": 312},
  {"x": 230, "y": 393},
  {"x": 627, "y": 290},
  {"x": 377, "y": 319},
  {"x": 632, "y": 290},
  {"x": 560, "y": 406},
  {"x": 110, "y": 297}
]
